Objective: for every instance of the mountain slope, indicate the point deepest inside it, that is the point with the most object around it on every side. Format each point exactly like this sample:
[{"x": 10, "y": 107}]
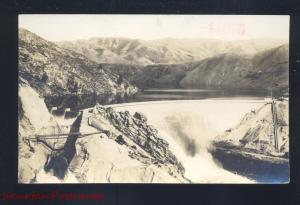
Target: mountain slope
[
  {"x": 225, "y": 71},
  {"x": 166, "y": 51},
  {"x": 161, "y": 75},
  {"x": 52, "y": 70},
  {"x": 231, "y": 71}
]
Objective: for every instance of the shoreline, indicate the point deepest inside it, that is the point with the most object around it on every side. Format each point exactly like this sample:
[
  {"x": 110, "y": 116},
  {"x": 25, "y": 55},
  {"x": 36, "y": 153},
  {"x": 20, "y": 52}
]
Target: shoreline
[
  {"x": 210, "y": 100},
  {"x": 253, "y": 155}
]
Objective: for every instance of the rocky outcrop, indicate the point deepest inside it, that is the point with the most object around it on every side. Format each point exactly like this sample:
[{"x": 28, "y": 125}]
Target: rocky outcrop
[
  {"x": 261, "y": 131},
  {"x": 33, "y": 116},
  {"x": 140, "y": 138}
]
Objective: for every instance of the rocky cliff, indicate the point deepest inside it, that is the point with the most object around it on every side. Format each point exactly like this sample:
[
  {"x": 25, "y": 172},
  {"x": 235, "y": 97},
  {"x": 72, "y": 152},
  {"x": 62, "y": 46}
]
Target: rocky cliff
[
  {"x": 263, "y": 131},
  {"x": 122, "y": 148},
  {"x": 52, "y": 70},
  {"x": 141, "y": 142},
  {"x": 33, "y": 116}
]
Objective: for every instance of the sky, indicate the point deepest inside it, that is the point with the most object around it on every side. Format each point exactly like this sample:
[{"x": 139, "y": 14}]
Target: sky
[{"x": 56, "y": 27}]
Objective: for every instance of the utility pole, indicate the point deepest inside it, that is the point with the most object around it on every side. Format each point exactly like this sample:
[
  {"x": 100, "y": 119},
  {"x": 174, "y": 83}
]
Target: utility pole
[
  {"x": 275, "y": 123},
  {"x": 274, "y": 115}
]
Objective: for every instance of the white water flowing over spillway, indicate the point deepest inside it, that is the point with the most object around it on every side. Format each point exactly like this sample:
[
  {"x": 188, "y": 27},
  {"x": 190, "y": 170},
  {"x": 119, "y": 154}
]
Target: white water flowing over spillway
[{"x": 190, "y": 126}]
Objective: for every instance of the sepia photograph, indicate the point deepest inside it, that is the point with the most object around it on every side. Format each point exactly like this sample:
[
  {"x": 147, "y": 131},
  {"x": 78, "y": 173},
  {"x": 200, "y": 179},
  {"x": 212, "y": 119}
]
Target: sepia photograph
[{"x": 169, "y": 99}]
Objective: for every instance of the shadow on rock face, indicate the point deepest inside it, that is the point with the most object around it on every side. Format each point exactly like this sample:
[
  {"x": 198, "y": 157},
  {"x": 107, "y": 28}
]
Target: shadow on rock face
[
  {"x": 59, "y": 162},
  {"x": 59, "y": 165}
]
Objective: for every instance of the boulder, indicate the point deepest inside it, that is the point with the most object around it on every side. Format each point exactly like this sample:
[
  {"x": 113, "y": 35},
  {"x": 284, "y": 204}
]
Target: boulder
[{"x": 140, "y": 116}]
